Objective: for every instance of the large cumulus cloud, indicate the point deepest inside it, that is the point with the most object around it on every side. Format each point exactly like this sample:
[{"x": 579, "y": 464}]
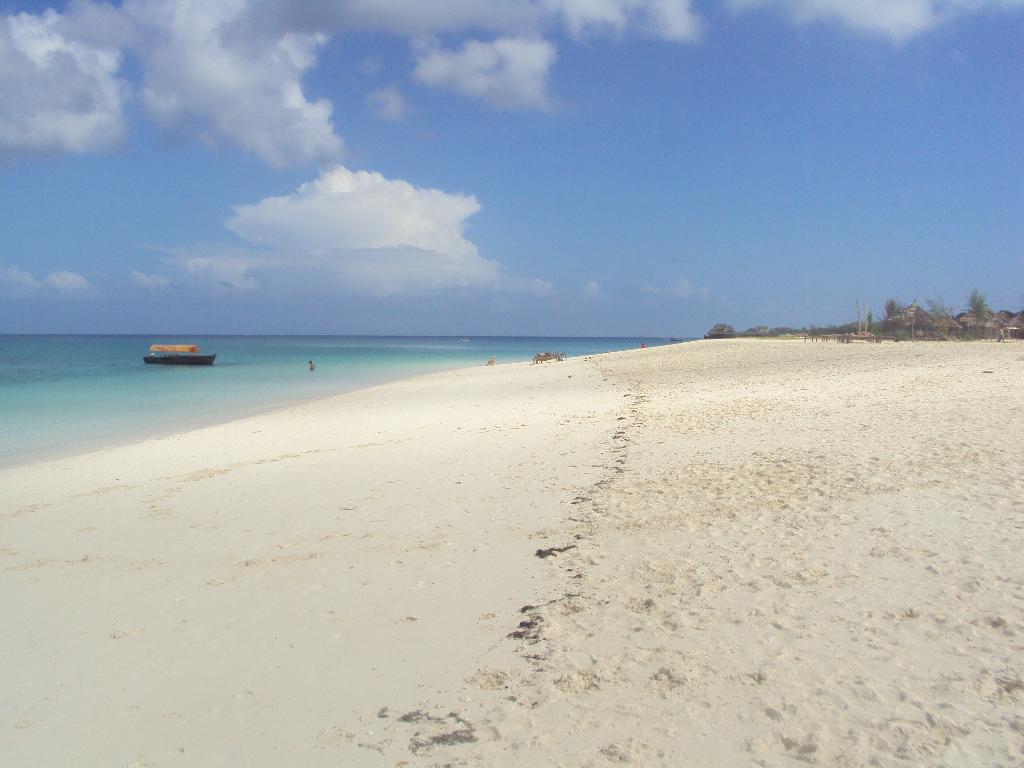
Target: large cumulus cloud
[
  {"x": 57, "y": 94},
  {"x": 378, "y": 235},
  {"x": 364, "y": 232}
]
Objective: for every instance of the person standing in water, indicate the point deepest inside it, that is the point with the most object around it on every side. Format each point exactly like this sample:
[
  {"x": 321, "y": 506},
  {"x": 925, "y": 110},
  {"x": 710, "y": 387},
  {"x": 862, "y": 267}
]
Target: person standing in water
[{"x": 312, "y": 366}]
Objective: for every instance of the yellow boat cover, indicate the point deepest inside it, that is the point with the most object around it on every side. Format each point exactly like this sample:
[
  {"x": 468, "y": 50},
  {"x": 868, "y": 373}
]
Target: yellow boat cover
[{"x": 174, "y": 348}]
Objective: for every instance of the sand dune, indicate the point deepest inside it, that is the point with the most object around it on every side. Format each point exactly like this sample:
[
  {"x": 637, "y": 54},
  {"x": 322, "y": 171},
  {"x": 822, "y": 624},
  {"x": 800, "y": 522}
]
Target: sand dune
[{"x": 719, "y": 553}]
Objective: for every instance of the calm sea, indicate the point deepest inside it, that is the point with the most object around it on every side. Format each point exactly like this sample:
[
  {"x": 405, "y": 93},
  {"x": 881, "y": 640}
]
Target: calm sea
[{"x": 61, "y": 395}]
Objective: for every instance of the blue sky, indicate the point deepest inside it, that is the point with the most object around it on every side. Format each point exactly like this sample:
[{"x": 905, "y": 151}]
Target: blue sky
[{"x": 576, "y": 167}]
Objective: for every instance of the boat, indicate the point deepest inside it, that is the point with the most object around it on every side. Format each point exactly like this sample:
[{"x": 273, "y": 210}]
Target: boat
[{"x": 177, "y": 354}]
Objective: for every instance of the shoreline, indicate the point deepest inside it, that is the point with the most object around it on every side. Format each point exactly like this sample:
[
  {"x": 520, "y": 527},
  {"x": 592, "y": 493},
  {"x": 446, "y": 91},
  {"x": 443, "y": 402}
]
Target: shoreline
[
  {"x": 247, "y": 413},
  {"x": 86, "y": 447},
  {"x": 717, "y": 553},
  {"x": 130, "y": 434}
]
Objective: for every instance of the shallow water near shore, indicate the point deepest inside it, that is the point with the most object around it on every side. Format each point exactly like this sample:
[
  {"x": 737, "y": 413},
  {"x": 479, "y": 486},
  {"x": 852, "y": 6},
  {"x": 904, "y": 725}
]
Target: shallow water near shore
[{"x": 60, "y": 395}]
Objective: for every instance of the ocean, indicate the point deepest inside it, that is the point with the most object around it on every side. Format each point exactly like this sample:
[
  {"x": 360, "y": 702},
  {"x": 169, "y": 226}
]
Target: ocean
[{"x": 61, "y": 395}]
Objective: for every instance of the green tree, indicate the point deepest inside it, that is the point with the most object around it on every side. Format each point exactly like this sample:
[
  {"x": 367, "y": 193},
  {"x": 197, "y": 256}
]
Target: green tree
[
  {"x": 893, "y": 309},
  {"x": 938, "y": 308},
  {"x": 977, "y": 307},
  {"x": 941, "y": 314}
]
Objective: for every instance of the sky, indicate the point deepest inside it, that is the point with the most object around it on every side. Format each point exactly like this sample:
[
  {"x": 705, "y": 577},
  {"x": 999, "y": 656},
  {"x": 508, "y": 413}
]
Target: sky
[{"x": 504, "y": 167}]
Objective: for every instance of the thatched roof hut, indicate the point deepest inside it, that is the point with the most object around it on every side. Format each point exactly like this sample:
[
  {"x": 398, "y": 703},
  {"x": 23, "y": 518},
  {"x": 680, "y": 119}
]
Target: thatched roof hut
[
  {"x": 997, "y": 323},
  {"x": 914, "y": 317},
  {"x": 970, "y": 323},
  {"x": 721, "y": 331},
  {"x": 1003, "y": 317},
  {"x": 1015, "y": 328},
  {"x": 914, "y": 314},
  {"x": 945, "y": 324}
]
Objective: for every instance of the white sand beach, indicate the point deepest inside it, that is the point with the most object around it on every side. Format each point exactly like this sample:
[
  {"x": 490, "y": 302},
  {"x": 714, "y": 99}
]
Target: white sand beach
[{"x": 721, "y": 553}]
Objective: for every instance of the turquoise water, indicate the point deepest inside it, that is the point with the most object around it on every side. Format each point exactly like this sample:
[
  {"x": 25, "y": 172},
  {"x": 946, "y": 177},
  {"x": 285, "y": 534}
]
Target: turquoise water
[{"x": 60, "y": 395}]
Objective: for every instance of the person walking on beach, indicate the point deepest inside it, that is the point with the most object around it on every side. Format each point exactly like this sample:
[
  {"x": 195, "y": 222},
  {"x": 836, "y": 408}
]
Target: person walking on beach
[{"x": 312, "y": 366}]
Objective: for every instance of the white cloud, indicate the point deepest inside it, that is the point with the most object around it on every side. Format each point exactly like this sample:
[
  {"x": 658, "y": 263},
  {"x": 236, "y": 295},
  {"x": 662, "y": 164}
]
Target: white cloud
[
  {"x": 56, "y": 94},
  {"x": 896, "y": 19},
  {"x": 211, "y": 64},
  {"x": 591, "y": 290},
  {"x": 388, "y": 104},
  {"x": 672, "y": 20},
  {"x": 221, "y": 68},
  {"x": 150, "y": 282},
  {"x": 18, "y": 283},
  {"x": 378, "y": 235},
  {"x": 507, "y": 72},
  {"x": 67, "y": 284},
  {"x": 540, "y": 287},
  {"x": 358, "y": 209},
  {"x": 532, "y": 285}
]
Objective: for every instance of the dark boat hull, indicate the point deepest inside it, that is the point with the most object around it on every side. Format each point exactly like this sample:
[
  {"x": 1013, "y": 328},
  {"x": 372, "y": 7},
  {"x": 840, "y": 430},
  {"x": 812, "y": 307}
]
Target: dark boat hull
[{"x": 179, "y": 359}]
